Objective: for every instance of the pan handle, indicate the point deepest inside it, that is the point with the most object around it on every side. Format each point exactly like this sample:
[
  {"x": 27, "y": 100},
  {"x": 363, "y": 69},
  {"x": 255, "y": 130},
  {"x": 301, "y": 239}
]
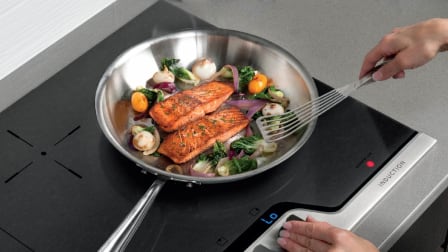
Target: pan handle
[{"x": 123, "y": 234}]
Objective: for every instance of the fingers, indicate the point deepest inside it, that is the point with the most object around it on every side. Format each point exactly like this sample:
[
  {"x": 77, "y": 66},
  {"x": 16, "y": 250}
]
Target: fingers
[
  {"x": 387, "y": 47},
  {"x": 412, "y": 46},
  {"x": 399, "y": 75},
  {"x": 311, "y": 219},
  {"x": 309, "y": 235},
  {"x": 315, "y": 236},
  {"x": 296, "y": 242},
  {"x": 310, "y": 228},
  {"x": 406, "y": 59},
  {"x": 370, "y": 60}
]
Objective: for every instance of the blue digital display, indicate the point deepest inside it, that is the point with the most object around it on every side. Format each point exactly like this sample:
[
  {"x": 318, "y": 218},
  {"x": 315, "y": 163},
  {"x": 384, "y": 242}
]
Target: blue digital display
[
  {"x": 270, "y": 218},
  {"x": 265, "y": 221}
]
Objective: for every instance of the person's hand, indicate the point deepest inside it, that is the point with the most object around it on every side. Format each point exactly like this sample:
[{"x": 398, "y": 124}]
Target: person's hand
[
  {"x": 409, "y": 47},
  {"x": 316, "y": 236}
]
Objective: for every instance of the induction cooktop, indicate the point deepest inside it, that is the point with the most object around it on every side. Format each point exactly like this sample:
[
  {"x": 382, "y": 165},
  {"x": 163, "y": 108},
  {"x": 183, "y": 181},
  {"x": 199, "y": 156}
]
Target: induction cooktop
[{"x": 63, "y": 187}]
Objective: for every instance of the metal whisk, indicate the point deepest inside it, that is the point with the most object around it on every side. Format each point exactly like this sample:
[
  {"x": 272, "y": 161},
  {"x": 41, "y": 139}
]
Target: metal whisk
[{"x": 276, "y": 127}]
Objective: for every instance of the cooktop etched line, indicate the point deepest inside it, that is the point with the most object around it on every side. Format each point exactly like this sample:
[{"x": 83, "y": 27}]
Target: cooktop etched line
[
  {"x": 20, "y": 138},
  {"x": 69, "y": 134},
  {"x": 68, "y": 169},
  {"x": 16, "y": 239},
  {"x": 17, "y": 173}
]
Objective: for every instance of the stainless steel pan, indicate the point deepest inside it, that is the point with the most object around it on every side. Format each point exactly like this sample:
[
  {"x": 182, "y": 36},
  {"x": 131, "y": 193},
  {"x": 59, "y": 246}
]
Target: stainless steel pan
[{"x": 136, "y": 65}]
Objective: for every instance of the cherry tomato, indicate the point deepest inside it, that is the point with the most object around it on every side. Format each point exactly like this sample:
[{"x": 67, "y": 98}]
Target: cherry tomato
[
  {"x": 258, "y": 83},
  {"x": 139, "y": 102}
]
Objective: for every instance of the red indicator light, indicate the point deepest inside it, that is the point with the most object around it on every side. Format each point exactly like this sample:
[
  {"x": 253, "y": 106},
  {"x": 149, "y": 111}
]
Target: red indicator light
[{"x": 370, "y": 163}]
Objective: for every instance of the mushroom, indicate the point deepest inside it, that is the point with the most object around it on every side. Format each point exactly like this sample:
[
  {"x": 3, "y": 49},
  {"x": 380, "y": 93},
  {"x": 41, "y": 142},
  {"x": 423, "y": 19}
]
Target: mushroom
[
  {"x": 174, "y": 168},
  {"x": 272, "y": 109}
]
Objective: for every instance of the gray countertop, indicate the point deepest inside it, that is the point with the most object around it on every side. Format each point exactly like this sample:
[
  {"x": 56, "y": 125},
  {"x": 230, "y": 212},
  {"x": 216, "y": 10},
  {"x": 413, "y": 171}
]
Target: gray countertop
[{"x": 331, "y": 38}]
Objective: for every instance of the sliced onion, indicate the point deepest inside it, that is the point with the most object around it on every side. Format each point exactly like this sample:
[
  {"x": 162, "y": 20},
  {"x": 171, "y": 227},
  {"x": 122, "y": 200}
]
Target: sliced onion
[
  {"x": 168, "y": 87},
  {"x": 248, "y": 131},
  {"x": 233, "y": 138},
  {"x": 255, "y": 109},
  {"x": 247, "y": 104},
  {"x": 231, "y": 154},
  {"x": 236, "y": 78},
  {"x": 140, "y": 116},
  {"x": 252, "y": 106},
  {"x": 241, "y": 154}
]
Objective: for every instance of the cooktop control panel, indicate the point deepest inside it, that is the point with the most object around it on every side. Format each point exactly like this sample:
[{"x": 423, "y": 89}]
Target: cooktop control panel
[
  {"x": 262, "y": 235},
  {"x": 67, "y": 163}
]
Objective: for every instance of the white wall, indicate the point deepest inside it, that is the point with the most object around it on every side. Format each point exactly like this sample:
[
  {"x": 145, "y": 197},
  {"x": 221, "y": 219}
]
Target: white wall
[{"x": 40, "y": 37}]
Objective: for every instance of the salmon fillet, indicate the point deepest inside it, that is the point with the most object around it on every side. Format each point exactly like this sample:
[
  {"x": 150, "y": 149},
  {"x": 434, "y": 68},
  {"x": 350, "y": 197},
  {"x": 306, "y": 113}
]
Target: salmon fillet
[
  {"x": 196, "y": 137},
  {"x": 190, "y": 105}
]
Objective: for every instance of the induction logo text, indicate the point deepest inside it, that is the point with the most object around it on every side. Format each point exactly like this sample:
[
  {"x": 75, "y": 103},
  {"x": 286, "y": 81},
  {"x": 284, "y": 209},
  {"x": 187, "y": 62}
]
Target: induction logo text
[{"x": 392, "y": 173}]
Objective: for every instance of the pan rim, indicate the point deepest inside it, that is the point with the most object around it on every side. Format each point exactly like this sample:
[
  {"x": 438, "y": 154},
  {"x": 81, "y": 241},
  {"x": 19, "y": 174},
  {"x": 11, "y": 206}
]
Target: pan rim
[{"x": 161, "y": 174}]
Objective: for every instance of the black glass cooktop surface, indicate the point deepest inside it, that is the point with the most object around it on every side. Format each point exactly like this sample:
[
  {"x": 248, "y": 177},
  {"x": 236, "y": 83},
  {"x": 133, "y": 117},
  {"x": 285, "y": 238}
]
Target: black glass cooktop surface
[{"x": 63, "y": 187}]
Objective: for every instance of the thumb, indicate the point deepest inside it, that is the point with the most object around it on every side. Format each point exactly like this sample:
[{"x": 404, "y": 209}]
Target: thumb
[{"x": 387, "y": 71}]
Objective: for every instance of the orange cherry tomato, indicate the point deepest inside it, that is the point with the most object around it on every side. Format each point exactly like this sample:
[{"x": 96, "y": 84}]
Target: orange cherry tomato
[
  {"x": 139, "y": 102},
  {"x": 258, "y": 83}
]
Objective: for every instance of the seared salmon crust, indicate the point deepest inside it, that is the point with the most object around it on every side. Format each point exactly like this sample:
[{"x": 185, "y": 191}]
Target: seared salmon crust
[
  {"x": 190, "y": 105},
  {"x": 196, "y": 137}
]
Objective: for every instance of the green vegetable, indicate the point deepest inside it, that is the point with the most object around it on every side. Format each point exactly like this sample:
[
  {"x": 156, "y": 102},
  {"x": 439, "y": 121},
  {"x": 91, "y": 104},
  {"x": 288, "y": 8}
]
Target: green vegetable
[
  {"x": 278, "y": 96},
  {"x": 274, "y": 123},
  {"x": 169, "y": 63},
  {"x": 272, "y": 94},
  {"x": 186, "y": 76},
  {"x": 266, "y": 94},
  {"x": 226, "y": 72},
  {"x": 181, "y": 73},
  {"x": 246, "y": 74},
  {"x": 236, "y": 165},
  {"x": 203, "y": 166},
  {"x": 253, "y": 143},
  {"x": 256, "y": 115},
  {"x": 136, "y": 129},
  {"x": 207, "y": 162},
  {"x": 153, "y": 95},
  {"x": 151, "y": 129},
  {"x": 219, "y": 151}
]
